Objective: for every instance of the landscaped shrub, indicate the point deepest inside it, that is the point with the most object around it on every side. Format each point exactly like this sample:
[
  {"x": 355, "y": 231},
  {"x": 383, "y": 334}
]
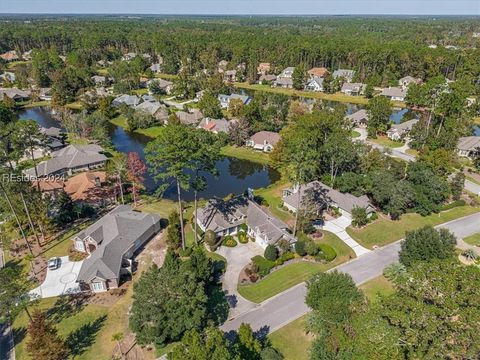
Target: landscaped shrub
[
  {"x": 373, "y": 217},
  {"x": 284, "y": 246},
  {"x": 287, "y": 256},
  {"x": 185, "y": 253},
  {"x": 359, "y": 216},
  {"x": 242, "y": 237},
  {"x": 264, "y": 266},
  {"x": 453, "y": 204},
  {"x": 243, "y": 227},
  {"x": 311, "y": 248},
  {"x": 271, "y": 253},
  {"x": 229, "y": 241},
  {"x": 210, "y": 239},
  {"x": 300, "y": 248},
  {"x": 328, "y": 252}
]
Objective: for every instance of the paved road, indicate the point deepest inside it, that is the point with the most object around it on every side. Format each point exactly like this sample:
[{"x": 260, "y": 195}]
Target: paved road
[{"x": 289, "y": 305}]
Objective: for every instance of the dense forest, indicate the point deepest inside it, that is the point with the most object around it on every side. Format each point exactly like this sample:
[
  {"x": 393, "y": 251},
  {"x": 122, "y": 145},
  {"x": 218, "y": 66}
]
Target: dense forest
[{"x": 380, "y": 49}]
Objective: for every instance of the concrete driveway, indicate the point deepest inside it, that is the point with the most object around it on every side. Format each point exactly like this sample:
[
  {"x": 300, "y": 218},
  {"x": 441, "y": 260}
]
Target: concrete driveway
[
  {"x": 237, "y": 258},
  {"x": 338, "y": 226},
  {"x": 61, "y": 281}
]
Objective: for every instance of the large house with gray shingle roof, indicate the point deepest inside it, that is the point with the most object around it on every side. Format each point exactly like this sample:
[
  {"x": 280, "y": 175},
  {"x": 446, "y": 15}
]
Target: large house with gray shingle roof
[
  {"x": 469, "y": 146},
  {"x": 226, "y": 218},
  {"x": 327, "y": 197},
  {"x": 112, "y": 242},
  {"x": 72, "y": 158}
]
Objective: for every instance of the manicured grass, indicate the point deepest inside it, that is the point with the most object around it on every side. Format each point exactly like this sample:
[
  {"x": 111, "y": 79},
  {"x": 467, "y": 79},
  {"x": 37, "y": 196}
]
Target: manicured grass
[
  {"x": 473, "y": 239},
  {"x": 355, "y": 134},
  {"x": 296, "y": 273},
  {"x": 121, "y": 121},
  {"x": 376, "y": 288},
  {"x": 292, "y": 340},
  {"x": 385, "y": 141},
  {"x": 412, "y": 152},
  {"x": 74, "y": 106},
  {"x": 246, "y": 154},
  {"x": 139, "y": 92},
  {"x": 338, "y": 97},
  {"x": 384, "y": 231},
  {"x": 13, "y": 64},
  {"x": 72, "y": 139},
  {"x": 273, "y": 195},
  {"x": 162, "y": 207},
  {"x": 152, "y": 132}
]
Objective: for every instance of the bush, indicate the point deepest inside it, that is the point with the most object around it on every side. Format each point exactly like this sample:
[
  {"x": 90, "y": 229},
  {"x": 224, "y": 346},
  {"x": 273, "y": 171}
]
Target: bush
[
  {"x": 287, "y": 256},
  {"x": 185, "y": 253},
  {"x": 329, "y": 253},
  {"x": 300, "y": 248},
  {"x": 229, "y": 241},
  {"x": 271, "y": 253},
  {"x": 311, "y": 248},
  {"x": 210, "y": 239},
  {"x": 263, "y": 265},
  {"x": 359, "y": 216},
  {"x": 243, "y": 227},
  {"x": 242, "y": 237},
  {"x": 453, "y": 204},
  {"x": 373, "y": 217}
]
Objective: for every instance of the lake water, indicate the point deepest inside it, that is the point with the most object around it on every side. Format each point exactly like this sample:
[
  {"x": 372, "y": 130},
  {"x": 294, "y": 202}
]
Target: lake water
[{"x": 235, "y": 175}]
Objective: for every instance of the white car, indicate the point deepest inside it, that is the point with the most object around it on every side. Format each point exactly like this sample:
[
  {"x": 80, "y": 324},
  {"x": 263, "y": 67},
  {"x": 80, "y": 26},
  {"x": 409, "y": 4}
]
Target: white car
[{"x": 54, "y": 263}]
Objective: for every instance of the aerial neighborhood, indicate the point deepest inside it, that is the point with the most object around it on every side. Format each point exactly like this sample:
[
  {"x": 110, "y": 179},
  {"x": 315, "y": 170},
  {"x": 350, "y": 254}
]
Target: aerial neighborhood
[{"x": 239, "y": 188}]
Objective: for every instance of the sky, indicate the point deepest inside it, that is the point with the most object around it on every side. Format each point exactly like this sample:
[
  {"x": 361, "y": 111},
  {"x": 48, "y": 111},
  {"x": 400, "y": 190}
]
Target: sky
[{"x": 244, "y": 7}]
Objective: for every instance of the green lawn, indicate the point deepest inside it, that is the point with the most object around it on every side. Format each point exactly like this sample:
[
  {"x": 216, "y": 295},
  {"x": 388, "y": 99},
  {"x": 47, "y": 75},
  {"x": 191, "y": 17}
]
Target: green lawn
[
  {"x": 294, "y": 274},
  {"x": 473, "y": 239},
  {"x": 385, "y": 141},
  {"x": 292, "y": 340},
  {"x": 412, "y": 152},
  {"x": 376, "y": 288},
  {"x": 139, "y": 92},
  {"x": 152, "y": 132},
  {"x": 246, "y": 154},
  {"x": 384, "y": 231},
  {"x": 355, "y": 134},
  {"x": 273, "y": 195},
  {"x": 75, "y": 106},
  {"x": 162, "y": 207}
]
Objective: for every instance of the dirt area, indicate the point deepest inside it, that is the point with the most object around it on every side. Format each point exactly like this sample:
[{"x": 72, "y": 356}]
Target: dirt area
[{"x": 154, "y": 252}]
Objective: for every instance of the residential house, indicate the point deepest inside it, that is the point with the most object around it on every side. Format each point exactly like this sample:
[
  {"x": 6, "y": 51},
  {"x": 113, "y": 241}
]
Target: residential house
[
  {"x": 222, "y": 66},
  {"x": 165, "y": 85},
  {"x": 189, "y": 118},
  {"x": 157, "y": 110},
  {"x": 215, "y": 125},
  {"x": 55, "y": 137},
  {"x": 398, "y": 132},
  {"x": 9, "y": 56},
  {"x": 13, "y": 93},
  {"x": 284, "y": 80},
  {"x": 326, "y": 197},
  {"x": 359, "y": 118},
  {"x": 27, "y": 55},
  {"x": 156, "y": 68},
  {"x": 225, "y": 99},
  {"x": 353, "y": 89},
  {"x": 267, "y": 78},
  {"x": 112, "y": 243},
  {"x": 263, "y": 68},
  {"x": 49, "y": 187},
  {"x": 227, "y": 218},
  {"x": 317, "y": 72},
  {"x": 264, "y": 140},
  {"x": 347, "y": 75},
  {"x": 129, "y": 100},
  {"x": 70, "y": 159},
  {"x": 406, "y": 81},
  {"x": 315, "y": 84},
  {"x": 8, "y": 77},
  {"x": 99, "y": 80},
  {"x": 45, "y": 94},
  {"x": 394, "y": 93},
  {"x": 129, "y": 56},
  {"x": 469, "y": 146},
  {"x": 88, "y": 187},
  {"x": 230, "y": 76}
]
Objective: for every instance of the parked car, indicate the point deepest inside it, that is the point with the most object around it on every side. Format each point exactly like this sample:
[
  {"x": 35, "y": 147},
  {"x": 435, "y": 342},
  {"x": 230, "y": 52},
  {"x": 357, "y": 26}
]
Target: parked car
[{"x": 54, "y": 263}]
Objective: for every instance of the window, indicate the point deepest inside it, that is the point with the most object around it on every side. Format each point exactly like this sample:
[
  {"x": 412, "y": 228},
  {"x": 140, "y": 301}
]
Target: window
[{"x": 98, "y": 286}]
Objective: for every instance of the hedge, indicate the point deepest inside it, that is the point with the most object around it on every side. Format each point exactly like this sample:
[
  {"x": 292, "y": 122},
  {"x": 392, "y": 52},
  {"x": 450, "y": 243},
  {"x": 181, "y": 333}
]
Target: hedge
[
  {"x": 242, "y": 237},
  {"x": 264, "y": 265},
  {"x": 453, "y": 204},
  {"x": 328, "y": 252},
  {"x": 229, "y": 241}
]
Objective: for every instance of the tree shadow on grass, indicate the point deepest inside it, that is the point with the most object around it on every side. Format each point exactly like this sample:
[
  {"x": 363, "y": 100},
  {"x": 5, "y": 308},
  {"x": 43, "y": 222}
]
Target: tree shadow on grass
[
  {"x": 19, "y": 334},
  {"x": 66, "y": 306},
  {"x": 217, "y": 306},
  {"x": 81, "y": 339}
]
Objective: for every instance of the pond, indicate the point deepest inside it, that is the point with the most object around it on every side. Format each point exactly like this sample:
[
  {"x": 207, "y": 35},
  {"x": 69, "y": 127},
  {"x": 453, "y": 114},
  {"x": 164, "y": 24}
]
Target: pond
[{"x": 234, "y": 177}]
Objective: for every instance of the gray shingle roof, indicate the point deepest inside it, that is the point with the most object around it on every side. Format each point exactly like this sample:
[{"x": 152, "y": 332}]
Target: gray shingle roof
[
  {"x": 70, "y": 157},
  {"x": 343, "y": 73},
  {"x": 189, "y": 118},
  {"x": 469, "y": 143},
  {"x": 327, "y": 194},
  {"x": 358, "y": 116},
  {"x": 130, "y": 100},
  {"x": 115, "y": 234},
  {"x": 394, "y": 92},
  {"x": 403, "y": 127}
]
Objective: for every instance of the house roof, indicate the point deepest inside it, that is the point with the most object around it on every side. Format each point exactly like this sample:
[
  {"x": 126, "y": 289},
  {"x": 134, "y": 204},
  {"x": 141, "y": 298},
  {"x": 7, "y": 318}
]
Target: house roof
[
  {"x": 52, "y": 131},
  {"x": 215, "y": 125},
  {"x": 343, "y": 73},
  {"x": 162, "y": 83},
  {"x": 9, "y": 55},
  {"x": 326, "y": 194},
  {"x": 394, "y": 92},
  {"x": 80, "y": 186},
  {"x": 14, "y": 93},
  {"x": 263, "y": 137},
  {"x": 98, "y": 78},
  {"x": 115, "y": 234},
  {"x": 219, "y": 215},
  {"x": 287, "y": 72},
  {"x": 48, "y": 184},
  {"x": 284, "y": 81},
  {"x": 469, "y": 143},
  {"x": 263, "y": 67},
  {"x": 189, "y": 118},
  {"x": 70, "y": 157},
  {"x": 316, "y": 80},
  {"x": 150, "y": 107},
  {"x": 358, "y": 116},
  {"x": 267, "y": 77},
  {"x": 318, "y": 72},
  {"x": 130, "y": 100},
  {"x": 355, "y": 87},
  {"x": 403, "y": 127}
]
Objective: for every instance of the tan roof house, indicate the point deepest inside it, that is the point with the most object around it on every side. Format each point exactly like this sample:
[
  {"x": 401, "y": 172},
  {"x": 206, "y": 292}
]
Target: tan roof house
[
  {"x": 320, "y": 72},
  {"x": 263, "y": 68},
  {"x": 87, "y": 187},
  {"x": 9, "y": 56},
  {"x": 469, "y": 146},
  {"x": 398, "y": 132},
  {"x": 264, "y": 140}
]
